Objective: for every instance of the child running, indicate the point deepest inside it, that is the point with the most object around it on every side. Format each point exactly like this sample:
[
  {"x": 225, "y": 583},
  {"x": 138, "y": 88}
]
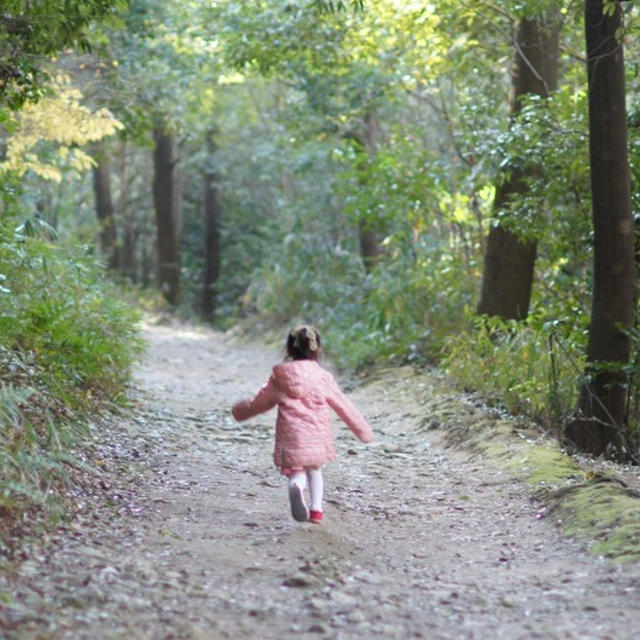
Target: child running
[{"x": 304, "y": 392}]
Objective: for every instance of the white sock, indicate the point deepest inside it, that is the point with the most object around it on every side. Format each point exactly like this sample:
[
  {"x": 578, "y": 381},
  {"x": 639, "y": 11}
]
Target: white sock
[
  {"x": 316, "y": 488},
  {"x": 299, "y": 478}
]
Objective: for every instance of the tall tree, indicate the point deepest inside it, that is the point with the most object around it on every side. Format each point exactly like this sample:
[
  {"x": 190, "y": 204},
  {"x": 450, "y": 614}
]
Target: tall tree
[
  {"x": 602, "y": 406},
  {"x": 161, "y": 58},
  {"x": 363, "y": 139},
  {"x": 211, "y": 212},
  {"x": 510, "y": 258},
  {"x": 166, "y": 216},
  {"x": 104, "y": 209},
  {"x": 126, "y": 213}
]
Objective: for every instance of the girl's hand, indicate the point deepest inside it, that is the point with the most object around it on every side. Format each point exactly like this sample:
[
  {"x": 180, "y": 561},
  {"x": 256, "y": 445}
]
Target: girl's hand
[{"x": 239, "y": 410}]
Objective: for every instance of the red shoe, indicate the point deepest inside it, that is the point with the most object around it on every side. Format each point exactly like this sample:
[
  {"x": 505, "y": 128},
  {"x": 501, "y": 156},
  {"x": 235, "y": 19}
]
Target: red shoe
[{"x": 315, "y": 516}]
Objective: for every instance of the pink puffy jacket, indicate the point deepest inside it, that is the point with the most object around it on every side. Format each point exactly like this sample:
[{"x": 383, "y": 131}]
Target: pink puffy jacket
[{"x": 304, "y": 392}]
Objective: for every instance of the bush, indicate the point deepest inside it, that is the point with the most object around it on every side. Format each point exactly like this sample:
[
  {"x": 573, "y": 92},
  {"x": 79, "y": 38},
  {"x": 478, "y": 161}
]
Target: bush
[
  {"x": 531, "y": 368},
  {"x": 66, "y": 348},
  {"x": 402, "y": 311}
]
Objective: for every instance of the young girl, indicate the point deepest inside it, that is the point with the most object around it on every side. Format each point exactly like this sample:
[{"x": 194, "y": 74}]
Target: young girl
[{"x": 304, "y": 392}]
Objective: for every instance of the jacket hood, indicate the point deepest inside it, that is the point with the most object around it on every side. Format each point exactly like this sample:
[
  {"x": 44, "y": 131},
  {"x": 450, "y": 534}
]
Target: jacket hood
[{"x": 297, "y": 378}]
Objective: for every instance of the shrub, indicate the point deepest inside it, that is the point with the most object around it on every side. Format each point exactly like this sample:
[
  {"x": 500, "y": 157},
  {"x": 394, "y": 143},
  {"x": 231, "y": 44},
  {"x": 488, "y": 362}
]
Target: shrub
[
  {"x": 531, "y": 368},
  {"x": 66, "y": 348}
]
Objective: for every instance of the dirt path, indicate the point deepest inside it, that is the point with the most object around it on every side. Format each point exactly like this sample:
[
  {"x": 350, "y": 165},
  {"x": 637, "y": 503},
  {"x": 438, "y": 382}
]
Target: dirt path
[{"x": 418, "y": 541}]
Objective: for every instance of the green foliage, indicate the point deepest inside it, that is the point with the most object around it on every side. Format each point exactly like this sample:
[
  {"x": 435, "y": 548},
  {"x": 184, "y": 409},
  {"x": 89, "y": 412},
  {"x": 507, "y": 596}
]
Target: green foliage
[
  {"x": 271, "y": 36},
  {"x": 32, "y": 31},
  {"x": 404, "y": 312},
  {"x": 164, "y": 55},
  {"x": 338, "y": 5},
  {"x": 434, "y": 82},
  {"x": 66, "y": 349},
  {"x": 33, "y": 443},
  {"x": 530, "y": 369},
  {"x": 330, "y": 117},
  {"x": 548, "y": 140},
  {"x": 80, "y": 337}
]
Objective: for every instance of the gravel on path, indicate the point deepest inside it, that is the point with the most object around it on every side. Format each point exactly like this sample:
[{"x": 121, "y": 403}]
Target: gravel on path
[{"x": 188, "y": 533}]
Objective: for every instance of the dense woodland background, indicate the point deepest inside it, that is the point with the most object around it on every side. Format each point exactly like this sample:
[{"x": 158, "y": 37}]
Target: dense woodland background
[{"x": 450, "y": 183}]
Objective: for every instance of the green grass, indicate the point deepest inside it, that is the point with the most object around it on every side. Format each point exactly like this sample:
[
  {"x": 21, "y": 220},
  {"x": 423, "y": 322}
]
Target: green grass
[
  {"x": 67, "y": 343},
  {"x": 514, "y": 364}
]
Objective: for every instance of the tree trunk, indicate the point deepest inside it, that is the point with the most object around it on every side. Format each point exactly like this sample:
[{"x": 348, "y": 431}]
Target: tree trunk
[
  {"x": 211, "y": 211},
  {"x": 602, "y": 408},
  {"x": 370, "y": 247},
  {"x": 178, "y": 192},
  {"x": 508, "y": 271},
  {"x": 128, "y": 222},
  {"x": 164, "y": 203},
  {"x": 364, "y": 147},
  {"x": 104, "y": 211},
  {"x": 146, "y": 261},
  {"x": 128, "y": 265},
  {"x": 509, "y": 259}
]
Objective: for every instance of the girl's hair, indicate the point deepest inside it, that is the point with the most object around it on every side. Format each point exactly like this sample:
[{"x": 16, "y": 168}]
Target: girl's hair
[{"x": 303, "y": 343}]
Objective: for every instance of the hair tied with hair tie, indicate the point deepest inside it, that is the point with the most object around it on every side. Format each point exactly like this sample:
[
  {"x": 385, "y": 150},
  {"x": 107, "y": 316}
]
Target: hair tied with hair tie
[
  {"x": 312, "y": 336},
  {"x": 313, "y": 340}
]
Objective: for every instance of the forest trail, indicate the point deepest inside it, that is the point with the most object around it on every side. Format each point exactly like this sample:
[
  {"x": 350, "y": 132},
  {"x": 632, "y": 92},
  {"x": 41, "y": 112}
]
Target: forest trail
[{"x": 419, "y": 541}]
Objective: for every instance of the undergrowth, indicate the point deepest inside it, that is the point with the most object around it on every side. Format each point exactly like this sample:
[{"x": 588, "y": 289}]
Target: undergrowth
[
  {"x": 417, "y": 308},
  {"x": 530, "y": 367},
  {"x": 67, "y": 342},
  {"x": 402, "y": 312}
]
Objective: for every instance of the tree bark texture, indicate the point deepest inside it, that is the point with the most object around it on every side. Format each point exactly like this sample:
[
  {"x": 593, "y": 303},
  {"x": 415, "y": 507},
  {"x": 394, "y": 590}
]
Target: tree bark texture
[
  {"x": 128, "y": 261},
  {"x": 166, "y": 224},
  {"x": 178, "y": 190},
  {"x": 211, "y": 210},
  {"x": 602, "y": 408},
  {"x": 104, "y": 211},
  {"x": 509, "y": 260}
]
